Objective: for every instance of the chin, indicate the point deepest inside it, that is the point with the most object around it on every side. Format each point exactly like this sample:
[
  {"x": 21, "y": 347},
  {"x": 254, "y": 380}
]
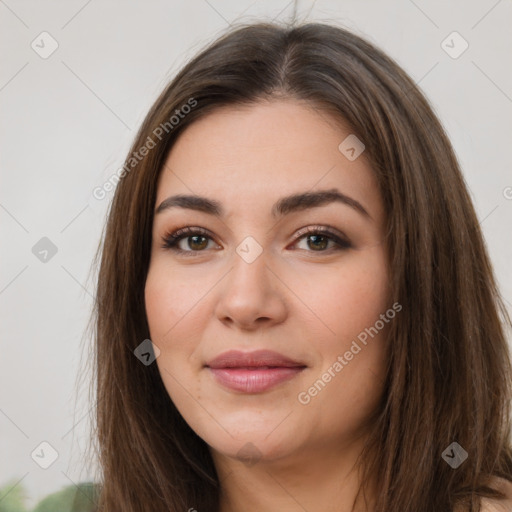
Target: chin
[{"x": 251, "y": 449}]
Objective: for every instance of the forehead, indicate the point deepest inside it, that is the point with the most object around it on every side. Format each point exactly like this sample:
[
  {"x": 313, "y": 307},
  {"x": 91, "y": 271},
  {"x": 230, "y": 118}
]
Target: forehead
[{"x": 243, "y": 156}]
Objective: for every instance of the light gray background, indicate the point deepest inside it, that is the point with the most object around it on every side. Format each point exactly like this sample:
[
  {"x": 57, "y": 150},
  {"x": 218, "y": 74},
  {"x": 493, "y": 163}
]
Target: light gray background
[{"x": 68, "y": 121}]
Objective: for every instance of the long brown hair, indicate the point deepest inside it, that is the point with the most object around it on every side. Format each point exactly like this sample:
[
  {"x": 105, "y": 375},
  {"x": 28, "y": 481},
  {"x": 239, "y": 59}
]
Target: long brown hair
[{"x": 449, "y": 371}]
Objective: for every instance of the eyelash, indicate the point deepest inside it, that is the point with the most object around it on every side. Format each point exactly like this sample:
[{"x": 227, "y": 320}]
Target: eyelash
[{"x": 171, "y": 240}]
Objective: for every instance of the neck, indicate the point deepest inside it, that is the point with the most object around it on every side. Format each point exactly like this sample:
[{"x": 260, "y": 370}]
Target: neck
[{"x": 321, "y": 479}]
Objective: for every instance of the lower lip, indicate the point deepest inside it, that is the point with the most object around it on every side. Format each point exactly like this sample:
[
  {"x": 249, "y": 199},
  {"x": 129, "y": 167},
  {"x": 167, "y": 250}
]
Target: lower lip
[{"x": 254, "y": 381}]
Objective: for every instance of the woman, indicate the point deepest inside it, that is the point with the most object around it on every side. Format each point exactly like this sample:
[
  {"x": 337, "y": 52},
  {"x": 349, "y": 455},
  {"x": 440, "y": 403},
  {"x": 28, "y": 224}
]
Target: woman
[{"x": 295, "y": 308}]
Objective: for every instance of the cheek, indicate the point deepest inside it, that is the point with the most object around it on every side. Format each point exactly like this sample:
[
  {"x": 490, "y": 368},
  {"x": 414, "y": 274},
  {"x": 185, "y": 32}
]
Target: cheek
[
  {"x": 172, "y": 301},
  {"x": 349, "y": 301},
  {"x": 173, "y": 309},
  {"x": 176, "y": 319},
  {"x": 344, "y": 299}
]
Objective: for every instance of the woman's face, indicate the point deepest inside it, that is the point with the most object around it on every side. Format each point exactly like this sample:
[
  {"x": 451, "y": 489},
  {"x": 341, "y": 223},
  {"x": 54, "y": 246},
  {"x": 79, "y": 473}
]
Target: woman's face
[{"x": 254, "y": 280}]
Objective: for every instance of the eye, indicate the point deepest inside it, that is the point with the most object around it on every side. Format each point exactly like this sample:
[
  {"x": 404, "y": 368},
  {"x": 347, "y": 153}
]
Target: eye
[
  {"x": 196, "y": 240},
  {"x": 317, "y": 238}
]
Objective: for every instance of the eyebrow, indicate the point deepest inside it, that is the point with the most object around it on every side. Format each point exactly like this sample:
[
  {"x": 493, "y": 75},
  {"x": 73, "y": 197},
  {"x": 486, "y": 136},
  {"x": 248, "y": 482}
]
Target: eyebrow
[{"x": 283, "y": 206}]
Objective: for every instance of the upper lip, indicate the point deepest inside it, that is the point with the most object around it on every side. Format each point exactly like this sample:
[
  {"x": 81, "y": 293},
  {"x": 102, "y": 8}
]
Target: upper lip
[{"x": 257, "y": 358}]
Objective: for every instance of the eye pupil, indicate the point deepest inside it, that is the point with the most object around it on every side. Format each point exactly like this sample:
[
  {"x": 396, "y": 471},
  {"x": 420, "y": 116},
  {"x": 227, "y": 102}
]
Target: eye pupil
[
  {"x": 315, "y": 239},
  {"x": 194, "y": 238}
]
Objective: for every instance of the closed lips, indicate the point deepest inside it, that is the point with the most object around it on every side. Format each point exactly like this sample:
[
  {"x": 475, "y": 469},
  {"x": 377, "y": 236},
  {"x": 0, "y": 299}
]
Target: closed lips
[
  {"x": 260, "y": 359},
  {"x": 253, "y": 372}
]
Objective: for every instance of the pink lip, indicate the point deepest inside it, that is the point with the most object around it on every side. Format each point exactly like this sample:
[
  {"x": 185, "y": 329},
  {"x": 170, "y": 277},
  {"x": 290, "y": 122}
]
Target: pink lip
[{"x": 253, "y": 372}]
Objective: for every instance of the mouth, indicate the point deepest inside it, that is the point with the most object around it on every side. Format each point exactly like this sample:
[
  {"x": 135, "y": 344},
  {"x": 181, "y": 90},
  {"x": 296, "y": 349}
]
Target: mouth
[{"x": 253, "y": 372}]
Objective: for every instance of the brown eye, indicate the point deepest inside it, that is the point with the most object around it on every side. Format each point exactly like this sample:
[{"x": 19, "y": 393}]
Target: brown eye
[
  {"x": 319, "y": 238},
  {"x": 317, "y": 242},
  {"x": 190, "y": 241},
  {"x": 194, "y": 240}
]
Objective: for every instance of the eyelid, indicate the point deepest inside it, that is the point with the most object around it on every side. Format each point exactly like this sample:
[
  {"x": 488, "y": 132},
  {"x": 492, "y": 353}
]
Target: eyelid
[
  {"x": 320, "y": 228},
  {"x": 171, "y": 239}
]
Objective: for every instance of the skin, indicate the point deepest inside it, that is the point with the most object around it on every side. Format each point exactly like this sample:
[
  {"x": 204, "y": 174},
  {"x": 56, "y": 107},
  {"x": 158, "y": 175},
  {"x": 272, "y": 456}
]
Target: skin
[{"x": 305, "y": 302}]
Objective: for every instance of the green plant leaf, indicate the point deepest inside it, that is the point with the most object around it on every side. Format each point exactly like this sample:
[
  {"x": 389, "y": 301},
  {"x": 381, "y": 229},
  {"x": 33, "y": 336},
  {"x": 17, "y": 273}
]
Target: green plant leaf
[
  {"x": 12, "y": 497},
  {"x": 80, "y": 498}
]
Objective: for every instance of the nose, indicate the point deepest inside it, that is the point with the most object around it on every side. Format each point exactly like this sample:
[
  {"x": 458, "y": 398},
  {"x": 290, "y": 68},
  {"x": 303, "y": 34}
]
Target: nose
[{"x": 251, "y": 296}]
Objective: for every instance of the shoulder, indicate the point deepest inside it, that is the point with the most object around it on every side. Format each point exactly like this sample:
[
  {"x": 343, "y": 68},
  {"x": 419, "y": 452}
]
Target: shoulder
[{"x": 494, "y": 505}]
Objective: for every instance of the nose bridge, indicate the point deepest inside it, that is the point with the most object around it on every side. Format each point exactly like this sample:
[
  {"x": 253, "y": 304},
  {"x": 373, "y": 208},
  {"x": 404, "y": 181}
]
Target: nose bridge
[
  {"x": 249, "y": 292},
  {"x": 250, "y": 271}
]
